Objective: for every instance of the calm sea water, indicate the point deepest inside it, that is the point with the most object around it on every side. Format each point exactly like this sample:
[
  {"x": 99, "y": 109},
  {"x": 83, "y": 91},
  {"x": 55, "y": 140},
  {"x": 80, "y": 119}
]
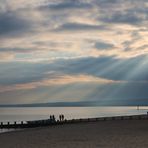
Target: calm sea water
[{"x": 35, "y": 113}]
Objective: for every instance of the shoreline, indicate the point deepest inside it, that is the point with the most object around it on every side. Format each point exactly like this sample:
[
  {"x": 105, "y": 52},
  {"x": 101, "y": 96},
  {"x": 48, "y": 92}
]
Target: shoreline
[
  {"x": 12, "y": 127},
  {"x": 48, "y": 122}
]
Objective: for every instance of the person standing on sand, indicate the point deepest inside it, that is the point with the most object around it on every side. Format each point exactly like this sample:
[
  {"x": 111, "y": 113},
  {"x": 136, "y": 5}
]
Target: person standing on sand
[
  {"x": 59, "y": 117},
  {"x": 53, "y": 118},
  {"x": 62, "y": 117},
  {"x": 50, "y": 117}
]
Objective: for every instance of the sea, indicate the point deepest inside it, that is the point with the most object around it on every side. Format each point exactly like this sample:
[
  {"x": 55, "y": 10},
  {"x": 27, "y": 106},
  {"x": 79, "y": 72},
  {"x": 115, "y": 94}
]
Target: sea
[{"x": 19, "y": 114}]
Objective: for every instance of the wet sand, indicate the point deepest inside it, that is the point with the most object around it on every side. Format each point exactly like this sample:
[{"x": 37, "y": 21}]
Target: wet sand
[{"x": 101, "y": 134}]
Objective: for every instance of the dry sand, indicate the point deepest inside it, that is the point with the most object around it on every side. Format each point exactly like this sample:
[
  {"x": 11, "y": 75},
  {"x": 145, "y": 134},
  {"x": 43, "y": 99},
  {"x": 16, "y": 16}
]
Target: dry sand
[{"x": 102, "y": 134}]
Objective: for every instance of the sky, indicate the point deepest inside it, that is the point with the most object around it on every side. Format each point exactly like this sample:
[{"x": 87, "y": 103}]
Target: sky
[{"x": 74, "y": 50}]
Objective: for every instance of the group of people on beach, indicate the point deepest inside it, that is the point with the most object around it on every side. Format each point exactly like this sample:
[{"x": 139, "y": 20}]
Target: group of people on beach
[
  {"x": 52, "y": 118},
  {"x": 61, "y": 117}
]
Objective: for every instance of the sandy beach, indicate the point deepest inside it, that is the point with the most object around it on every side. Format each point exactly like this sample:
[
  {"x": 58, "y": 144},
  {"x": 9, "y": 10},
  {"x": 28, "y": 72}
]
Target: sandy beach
[{"x": 101, "y": 134}]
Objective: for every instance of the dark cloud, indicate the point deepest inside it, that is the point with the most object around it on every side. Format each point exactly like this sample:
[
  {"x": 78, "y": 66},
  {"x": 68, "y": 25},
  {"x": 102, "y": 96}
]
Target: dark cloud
[
  {"x": 67, "y": 5},
  {"x": 127, "y": 18},
  {"x": 80, "y": 27},
  {"x": 16, "y": 50},
  {"x": 131, "y": 69},
  {"x": 20, "y": 73},
  {"x": 106, "y": 67},
  {"x": 106, "y": 3},
  {"x": 12, "y": 23},
  {"x": 136, "y": 14},
  {"x": 103, "y": 45}
]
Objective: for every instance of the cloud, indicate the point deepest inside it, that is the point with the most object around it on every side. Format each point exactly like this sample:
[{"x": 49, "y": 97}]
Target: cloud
[
  {"x": 129, "y": 93},
  {"x": 13, "y": 24},
  {"x": 108, "y": 68},
  {"x": 15, "y": 50},
  {"x": 99, "y": 42},
  {"x": 104, "y": 79},
  {"x": 128, "y": 18},
  {"x": 133, "y": 69},
  {"x": 121, "y": 12},
  {"x": 6, "y": 57},
  {"x": 64, "y": 5},
  {"x": 79, "y": 27},
  {"x": 103, "y": 45},
  {"x": 53, "y": 29},
  {"x": 60, "y": 80}
]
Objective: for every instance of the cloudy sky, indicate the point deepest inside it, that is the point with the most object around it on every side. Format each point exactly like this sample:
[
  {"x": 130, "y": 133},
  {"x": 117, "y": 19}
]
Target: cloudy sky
[{"x": 74, "y": 50}]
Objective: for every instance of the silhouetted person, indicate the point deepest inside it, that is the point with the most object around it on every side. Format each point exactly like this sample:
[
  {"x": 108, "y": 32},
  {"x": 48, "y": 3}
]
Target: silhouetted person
[
  {"x": 53, "y": 118},
  {"x": 50, "y": 117},
  {"x": 62, "y": 116}
]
